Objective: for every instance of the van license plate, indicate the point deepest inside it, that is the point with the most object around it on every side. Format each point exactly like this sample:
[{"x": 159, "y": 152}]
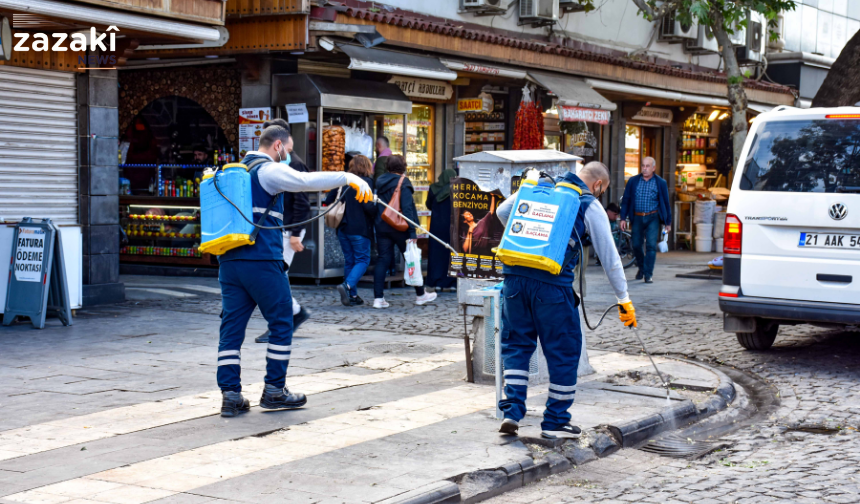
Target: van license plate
[{"x": 826, "y": 240}]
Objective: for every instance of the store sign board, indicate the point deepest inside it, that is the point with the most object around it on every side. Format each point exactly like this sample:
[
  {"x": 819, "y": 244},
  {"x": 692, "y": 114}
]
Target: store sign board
[
  {"x": 653, "y": 114},
  {"x": 480, "y": 104},
  {"x": 297, "y": 113},
  {"x": 580, "y": 114},
  {"x": 29, "y": 254},
  {"x": 423, "y": 88},
  {"x": 251, "y": 127}
]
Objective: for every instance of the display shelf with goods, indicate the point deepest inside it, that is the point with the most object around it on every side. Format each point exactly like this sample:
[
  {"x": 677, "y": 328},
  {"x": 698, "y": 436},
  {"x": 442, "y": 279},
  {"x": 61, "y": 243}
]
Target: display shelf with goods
[
  {"x": 487, "y": 131},
  {"x": 161, "y": 218}
]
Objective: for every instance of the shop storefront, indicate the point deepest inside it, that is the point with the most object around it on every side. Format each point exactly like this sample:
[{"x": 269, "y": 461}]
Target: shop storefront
[
  {"x": 174, "y": 123},
  {"x": 339, "y": 117}
]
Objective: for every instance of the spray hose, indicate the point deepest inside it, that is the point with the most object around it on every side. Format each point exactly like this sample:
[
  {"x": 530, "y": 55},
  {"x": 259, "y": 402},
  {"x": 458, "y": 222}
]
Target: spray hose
[{"x": 260, "y": 226}]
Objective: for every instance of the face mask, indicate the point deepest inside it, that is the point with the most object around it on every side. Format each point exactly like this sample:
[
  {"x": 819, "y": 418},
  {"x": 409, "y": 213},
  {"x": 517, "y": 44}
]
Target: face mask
[{"x": 286, "y": 159}]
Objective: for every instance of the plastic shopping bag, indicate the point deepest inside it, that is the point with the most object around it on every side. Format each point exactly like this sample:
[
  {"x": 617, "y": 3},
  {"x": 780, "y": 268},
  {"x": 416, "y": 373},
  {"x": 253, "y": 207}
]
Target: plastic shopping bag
[
  {"x": 663, "y": 246},
  {"x": 412, "y": 274}
]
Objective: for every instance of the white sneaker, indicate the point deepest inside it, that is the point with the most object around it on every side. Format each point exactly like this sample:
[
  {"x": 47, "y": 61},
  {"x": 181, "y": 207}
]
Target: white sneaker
[
  {"x": 380, "y": 303},
  {"x": 426, "y": 298}
]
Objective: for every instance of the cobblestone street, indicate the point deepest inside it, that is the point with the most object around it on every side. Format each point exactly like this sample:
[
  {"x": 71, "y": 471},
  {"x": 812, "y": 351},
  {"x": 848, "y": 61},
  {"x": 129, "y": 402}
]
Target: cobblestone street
[{"x": 813, "y": 370}]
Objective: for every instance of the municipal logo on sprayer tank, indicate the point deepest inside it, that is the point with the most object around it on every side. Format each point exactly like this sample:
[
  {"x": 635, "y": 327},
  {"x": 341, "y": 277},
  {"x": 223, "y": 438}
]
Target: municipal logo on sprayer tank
[
  {"x": 537, "y": 211},
  {"x": 534, "y": 230}
]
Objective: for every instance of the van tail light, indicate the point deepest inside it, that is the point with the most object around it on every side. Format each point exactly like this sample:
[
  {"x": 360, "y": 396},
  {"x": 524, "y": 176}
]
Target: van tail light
[{"x": 732, "y": 235}]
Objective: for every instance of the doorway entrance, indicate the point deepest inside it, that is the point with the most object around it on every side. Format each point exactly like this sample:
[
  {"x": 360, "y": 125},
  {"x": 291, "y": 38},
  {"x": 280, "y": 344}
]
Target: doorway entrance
[{"x": 640, "y": 142}]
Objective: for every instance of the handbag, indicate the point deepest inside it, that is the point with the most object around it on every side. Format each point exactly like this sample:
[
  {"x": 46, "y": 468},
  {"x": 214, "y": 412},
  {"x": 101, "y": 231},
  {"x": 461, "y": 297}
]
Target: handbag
[
  {"x": 393, "y": 217},
  {"x": 335, "y": 216}
]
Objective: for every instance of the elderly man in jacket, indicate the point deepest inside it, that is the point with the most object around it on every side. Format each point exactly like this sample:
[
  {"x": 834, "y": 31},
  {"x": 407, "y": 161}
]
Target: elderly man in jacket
[{"x": 646, "y": 205}]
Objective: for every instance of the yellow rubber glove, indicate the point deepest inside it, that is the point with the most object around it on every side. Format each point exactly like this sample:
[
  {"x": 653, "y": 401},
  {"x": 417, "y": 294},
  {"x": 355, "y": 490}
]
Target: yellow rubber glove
[
  {"x": 627, "y": 313},
  {"x": 363, "y": 193}
]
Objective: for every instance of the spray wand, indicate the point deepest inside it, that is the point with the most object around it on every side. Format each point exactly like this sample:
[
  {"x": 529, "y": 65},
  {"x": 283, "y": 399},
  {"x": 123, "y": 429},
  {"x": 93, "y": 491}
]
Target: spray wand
[{"x": 407, "y": 219}]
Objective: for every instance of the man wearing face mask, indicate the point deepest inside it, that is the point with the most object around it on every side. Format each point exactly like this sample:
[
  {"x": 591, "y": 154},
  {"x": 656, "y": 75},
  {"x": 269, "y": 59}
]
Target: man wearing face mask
[
  {"x": 297, "y": 208},
  {"x": 254, "y": 275},
  {"x": 537, "y": 303}
]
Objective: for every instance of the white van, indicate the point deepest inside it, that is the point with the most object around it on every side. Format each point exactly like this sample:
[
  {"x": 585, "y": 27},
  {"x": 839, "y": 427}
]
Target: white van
[{"x": 792, "y": 236}]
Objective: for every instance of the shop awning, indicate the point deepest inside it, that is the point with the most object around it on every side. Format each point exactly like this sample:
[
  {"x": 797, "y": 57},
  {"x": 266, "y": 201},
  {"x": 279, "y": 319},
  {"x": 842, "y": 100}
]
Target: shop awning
[
  {"x": 484, "y": 69},
  {"x": 123, "y": 20},
  {"x": 397, "y": 63},
  {"x": 344, "y": 94},
  {"x": 572, "y": 92}
]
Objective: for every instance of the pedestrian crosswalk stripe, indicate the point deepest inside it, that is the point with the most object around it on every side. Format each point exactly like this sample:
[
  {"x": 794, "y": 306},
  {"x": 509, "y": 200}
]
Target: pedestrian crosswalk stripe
[
  {"x": 163, "y": 292},
  {"x": 125, "y": 420},
  {"x": 181, "y": 472}
]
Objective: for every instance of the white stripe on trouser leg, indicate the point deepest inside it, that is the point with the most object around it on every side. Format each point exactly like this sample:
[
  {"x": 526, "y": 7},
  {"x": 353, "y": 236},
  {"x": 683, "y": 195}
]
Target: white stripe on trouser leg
[
  {"x": 562, "y": 388},
  {"x": 280, "y": 348},
  {"x": 516, "y": 372},
  {"x": 228, "y": 362},
  {"x": 561, "y": 397},
  {"x": 275, "y": 356},
  {"x": 511, "y": 381},
  {"x": 227, "y": 353}
]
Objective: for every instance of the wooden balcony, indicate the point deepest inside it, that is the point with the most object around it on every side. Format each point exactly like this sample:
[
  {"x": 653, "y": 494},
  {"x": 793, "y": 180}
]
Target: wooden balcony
[
  {"x": 248, "y": 8},
  {"x": 201, "y": 11}
]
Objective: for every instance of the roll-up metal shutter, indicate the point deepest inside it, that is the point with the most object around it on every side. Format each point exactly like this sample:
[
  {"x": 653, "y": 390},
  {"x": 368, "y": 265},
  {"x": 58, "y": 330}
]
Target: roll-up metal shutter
[{"x": 38, "y": 145}]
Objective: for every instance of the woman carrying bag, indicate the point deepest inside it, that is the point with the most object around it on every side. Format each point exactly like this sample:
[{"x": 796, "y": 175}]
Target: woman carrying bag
[
  {"x": 438, "y": 257},
  {"x": 392, "y": 230},
  {"x": 354, "y": 224}
]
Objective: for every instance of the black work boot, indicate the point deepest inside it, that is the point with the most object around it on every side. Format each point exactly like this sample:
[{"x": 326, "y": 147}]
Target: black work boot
[
  {"x": 281, "y": 399},
  {"x": 263, "y": 338},
  {"x": 232, "y": 403}
]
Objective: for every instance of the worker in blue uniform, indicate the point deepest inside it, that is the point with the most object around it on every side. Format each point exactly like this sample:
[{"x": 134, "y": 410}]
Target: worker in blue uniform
[
  {"x": 254, "y": 275},
  {"x": 537, "y": 304}
]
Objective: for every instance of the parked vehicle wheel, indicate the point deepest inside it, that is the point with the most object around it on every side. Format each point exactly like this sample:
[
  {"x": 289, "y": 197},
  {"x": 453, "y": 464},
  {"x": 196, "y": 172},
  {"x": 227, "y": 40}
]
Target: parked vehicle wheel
[{"x": 761, "y": 339}]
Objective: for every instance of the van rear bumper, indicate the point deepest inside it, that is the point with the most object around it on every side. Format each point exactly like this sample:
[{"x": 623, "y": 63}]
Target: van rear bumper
[{"x": 791, "y": 310}]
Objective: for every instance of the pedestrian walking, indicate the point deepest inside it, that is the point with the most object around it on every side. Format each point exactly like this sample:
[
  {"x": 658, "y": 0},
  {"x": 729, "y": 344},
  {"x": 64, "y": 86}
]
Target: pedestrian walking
[
  {"x": 255, "y": 275},
  {"x": 439, "y": 203},
  {"x": 354, "y": 233},
  {"x": 537, "y": 304},
  {"x": 646, "y": 205},
  {"x": 386, "y": 236},
  {"x": 297, "y": 208},
  {"x": 383, "y": 152}
]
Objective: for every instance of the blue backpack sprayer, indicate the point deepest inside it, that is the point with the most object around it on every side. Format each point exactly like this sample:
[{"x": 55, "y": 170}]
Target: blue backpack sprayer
[{"x": 538, "y": 234}]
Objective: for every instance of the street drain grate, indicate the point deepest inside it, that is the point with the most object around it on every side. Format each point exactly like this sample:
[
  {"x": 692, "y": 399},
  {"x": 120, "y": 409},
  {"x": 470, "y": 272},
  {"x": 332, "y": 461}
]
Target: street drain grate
[
  {"x": 675, "y": 446},
  {"x": 402, "y": 348},
  {"x": 814, "y": 429}
]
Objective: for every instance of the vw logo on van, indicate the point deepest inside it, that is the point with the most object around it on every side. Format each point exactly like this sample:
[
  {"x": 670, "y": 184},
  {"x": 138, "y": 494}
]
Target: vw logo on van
[{"x": 838, "y": 211}]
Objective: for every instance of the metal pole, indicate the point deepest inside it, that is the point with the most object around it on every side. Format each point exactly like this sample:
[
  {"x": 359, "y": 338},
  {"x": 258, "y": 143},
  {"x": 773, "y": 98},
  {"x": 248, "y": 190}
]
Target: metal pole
[{"x": 431, "y": 235}]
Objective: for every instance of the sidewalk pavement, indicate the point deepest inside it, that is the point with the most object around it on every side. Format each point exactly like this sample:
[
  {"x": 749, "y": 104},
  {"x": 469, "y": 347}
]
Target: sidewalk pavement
[{"x": 123, "y": 408}]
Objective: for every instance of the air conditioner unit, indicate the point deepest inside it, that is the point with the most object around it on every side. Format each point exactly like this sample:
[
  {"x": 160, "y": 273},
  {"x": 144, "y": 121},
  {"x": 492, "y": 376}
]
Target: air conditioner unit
[
  {"x": 753, "y": 48},
  {"x": 704, "y": 43},
  {"x": 482, "y": 6},
  {"x": 739, "y": 37},
  {"x": 570, "y": 6},
  {"x": 675, "y": 32},
  {"x": 538, "y": 12}
]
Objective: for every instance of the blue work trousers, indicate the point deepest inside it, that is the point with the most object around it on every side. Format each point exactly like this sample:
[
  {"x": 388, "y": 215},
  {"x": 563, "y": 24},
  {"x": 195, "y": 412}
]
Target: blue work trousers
[
  {"x": 244, "y": 286},
  {"x": 356, "y": 259},
  {"x": 646, "y": 228},
  {"x": 532, "y": 309}
]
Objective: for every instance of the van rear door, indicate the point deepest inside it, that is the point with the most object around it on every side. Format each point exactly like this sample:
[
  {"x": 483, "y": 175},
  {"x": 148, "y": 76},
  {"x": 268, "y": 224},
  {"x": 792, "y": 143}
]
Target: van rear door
[{"x": 800, "y": 209}]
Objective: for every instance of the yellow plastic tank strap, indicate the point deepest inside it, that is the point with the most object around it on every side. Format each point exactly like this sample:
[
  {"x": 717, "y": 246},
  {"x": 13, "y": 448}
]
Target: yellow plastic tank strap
[{"x": 517, "y": 258}]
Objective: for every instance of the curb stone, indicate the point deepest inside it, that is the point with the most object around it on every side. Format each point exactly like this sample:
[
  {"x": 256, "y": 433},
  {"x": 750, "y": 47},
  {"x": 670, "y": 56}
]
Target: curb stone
[{"x": 483, "y": 484}]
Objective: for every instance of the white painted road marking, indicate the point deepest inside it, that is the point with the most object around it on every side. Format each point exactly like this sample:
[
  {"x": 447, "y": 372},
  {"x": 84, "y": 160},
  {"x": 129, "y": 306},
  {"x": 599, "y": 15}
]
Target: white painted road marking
[
  {"x": 86, "y": 428},
  {"x": 165, "y": 476}
]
